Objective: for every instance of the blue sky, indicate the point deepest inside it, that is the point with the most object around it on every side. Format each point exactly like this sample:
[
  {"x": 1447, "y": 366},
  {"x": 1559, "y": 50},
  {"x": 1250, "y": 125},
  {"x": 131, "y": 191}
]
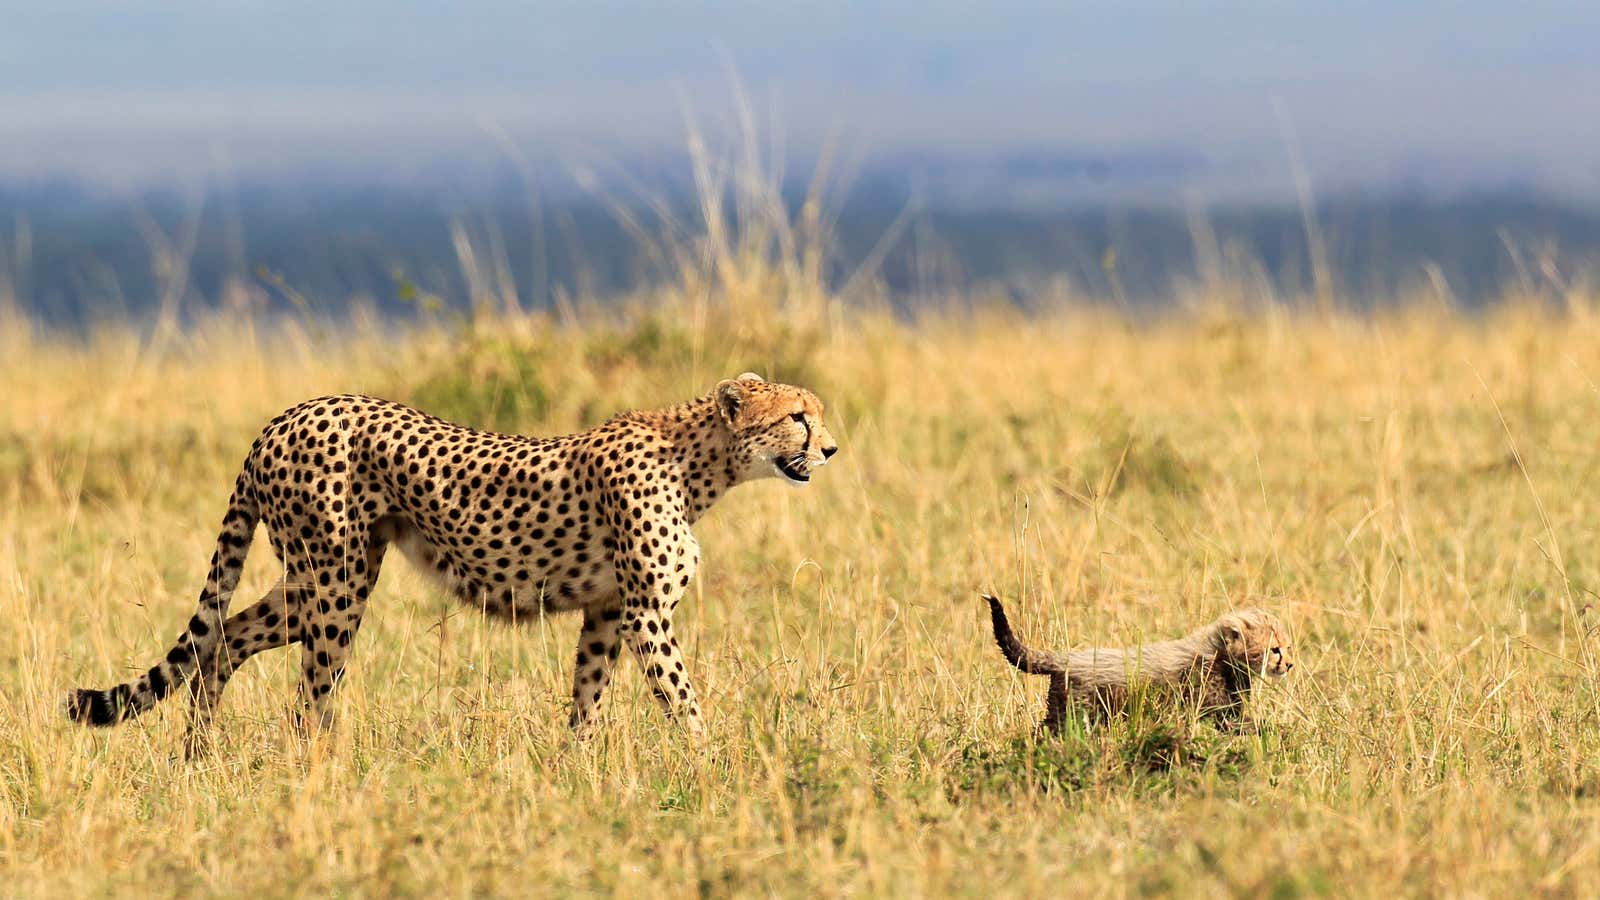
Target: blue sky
[{"x": 1470, "y": 91}]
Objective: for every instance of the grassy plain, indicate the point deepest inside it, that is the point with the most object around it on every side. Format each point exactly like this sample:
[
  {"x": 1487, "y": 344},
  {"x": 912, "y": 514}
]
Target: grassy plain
[{"x": 1413, "y": 491}]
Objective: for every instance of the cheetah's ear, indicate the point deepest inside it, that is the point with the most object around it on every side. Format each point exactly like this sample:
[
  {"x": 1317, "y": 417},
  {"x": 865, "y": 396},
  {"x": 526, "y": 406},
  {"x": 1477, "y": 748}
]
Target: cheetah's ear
[
  {"x": 729, "y": 397},
  {"x": 750, "y": 376}
]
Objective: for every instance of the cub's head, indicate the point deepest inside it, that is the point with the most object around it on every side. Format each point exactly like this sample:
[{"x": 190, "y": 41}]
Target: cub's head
[
  {"x": 776, "y": 429},
  {"x": 1254, "y": 639}
]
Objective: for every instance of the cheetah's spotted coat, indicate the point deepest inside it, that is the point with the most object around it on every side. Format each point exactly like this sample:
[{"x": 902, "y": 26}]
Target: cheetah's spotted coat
[{"x": 597, "y": 522}]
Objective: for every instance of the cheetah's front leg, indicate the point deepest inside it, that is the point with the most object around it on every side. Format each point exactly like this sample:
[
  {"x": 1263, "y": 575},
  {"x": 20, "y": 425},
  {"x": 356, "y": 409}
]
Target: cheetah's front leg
[
  {"x": 654, "y": 565},
  {"x": 649, "y": 634},
  {"x": 598, "y": 645}
]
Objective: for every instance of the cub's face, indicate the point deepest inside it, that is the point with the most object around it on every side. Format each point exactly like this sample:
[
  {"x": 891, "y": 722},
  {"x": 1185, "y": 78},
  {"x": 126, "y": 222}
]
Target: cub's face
[
  {"x": 777, "y": 429},
  {"x": 1255, "y": 639}
]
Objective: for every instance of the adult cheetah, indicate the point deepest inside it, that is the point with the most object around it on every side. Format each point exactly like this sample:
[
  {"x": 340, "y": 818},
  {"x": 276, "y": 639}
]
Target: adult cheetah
[{"x": 597, "y": 522}]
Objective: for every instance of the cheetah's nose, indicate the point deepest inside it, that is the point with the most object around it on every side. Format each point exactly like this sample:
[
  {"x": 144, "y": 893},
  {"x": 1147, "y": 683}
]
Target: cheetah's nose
[{"x": 828, "y": 452}]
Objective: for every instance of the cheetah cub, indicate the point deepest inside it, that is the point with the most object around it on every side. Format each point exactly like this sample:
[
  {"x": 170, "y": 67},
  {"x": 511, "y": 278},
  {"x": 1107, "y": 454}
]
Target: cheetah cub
[{"x": 1211, "y": 668}]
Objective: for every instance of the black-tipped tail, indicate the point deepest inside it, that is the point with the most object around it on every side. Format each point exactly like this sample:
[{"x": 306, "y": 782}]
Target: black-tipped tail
[
  {"x": 197, "y": 644},
  {"x": 124, "y": 701},
  {"x": 106, "y": 707},
  {"x": 1017, "y": 653}
]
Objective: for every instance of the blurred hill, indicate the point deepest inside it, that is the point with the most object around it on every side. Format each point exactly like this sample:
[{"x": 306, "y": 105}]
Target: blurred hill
[{"x": 921, "y": 229}]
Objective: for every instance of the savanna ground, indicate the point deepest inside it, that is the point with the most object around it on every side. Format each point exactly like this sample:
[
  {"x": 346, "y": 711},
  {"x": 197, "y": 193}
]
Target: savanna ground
[{"x": 1414, "y": 492}]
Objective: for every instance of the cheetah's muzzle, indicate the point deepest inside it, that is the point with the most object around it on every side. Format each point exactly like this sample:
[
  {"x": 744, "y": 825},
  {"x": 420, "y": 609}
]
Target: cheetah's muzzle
[{"x": 792, "y": 469}]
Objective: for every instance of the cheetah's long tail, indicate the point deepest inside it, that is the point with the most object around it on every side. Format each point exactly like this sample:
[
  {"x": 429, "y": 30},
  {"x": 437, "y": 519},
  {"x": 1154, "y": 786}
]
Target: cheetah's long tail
[
  {"x": 197, "y": 643},
  {"x": 1033, "y": 662}
]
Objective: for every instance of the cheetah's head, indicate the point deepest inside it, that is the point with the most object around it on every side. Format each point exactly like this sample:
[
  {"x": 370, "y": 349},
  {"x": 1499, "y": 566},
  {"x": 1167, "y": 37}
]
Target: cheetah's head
[
  {"x": 1254, "y": 639},
  {"x": 777, "y": 429}
]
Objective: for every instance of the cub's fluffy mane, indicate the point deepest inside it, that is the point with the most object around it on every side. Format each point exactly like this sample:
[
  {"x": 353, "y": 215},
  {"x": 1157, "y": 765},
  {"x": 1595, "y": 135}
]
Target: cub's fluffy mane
[
  {"x": 1159, "y": 662},
  {"x": 1212, "y": 660}
]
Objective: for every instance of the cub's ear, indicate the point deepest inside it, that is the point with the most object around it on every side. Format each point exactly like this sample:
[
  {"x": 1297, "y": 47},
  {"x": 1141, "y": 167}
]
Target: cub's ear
[
  {"x": 1232, "y": 632},
  {"x": 750, "y": 376},
  {"x": 729, "y": 397}
]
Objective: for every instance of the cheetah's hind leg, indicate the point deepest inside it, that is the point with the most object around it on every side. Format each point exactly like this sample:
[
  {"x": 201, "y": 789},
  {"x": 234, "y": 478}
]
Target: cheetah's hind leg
[
  {"x": 332, "y": 618},
  {"x": 271, "y": 622}
]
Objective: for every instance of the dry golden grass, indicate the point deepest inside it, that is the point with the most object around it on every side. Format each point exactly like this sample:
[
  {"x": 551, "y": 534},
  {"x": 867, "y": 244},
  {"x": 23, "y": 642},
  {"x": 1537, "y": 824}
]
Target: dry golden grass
[{"x": 1413, "y": 492}]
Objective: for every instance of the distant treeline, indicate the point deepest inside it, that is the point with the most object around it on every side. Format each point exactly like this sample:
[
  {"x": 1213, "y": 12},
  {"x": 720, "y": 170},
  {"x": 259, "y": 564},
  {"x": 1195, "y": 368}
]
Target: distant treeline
[{"x": 70, "y": 255}]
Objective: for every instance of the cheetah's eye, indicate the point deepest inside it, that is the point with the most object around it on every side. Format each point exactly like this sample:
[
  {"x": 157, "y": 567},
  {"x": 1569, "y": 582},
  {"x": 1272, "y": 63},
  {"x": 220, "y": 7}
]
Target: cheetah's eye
[{"x": 798, "y": 417}]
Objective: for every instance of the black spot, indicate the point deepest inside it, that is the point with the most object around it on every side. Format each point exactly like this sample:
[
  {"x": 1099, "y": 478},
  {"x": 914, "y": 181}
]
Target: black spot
[{"x": 159, "y": 685}]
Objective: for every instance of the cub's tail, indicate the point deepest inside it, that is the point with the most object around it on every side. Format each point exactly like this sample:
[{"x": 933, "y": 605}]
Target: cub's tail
[
  {"x": 197, "y": 644},
  {"x": 1033, "y": 662}
]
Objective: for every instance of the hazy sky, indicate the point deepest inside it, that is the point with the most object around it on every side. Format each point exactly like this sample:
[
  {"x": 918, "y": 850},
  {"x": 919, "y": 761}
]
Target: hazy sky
[{"x": 1380, "y": 90}]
